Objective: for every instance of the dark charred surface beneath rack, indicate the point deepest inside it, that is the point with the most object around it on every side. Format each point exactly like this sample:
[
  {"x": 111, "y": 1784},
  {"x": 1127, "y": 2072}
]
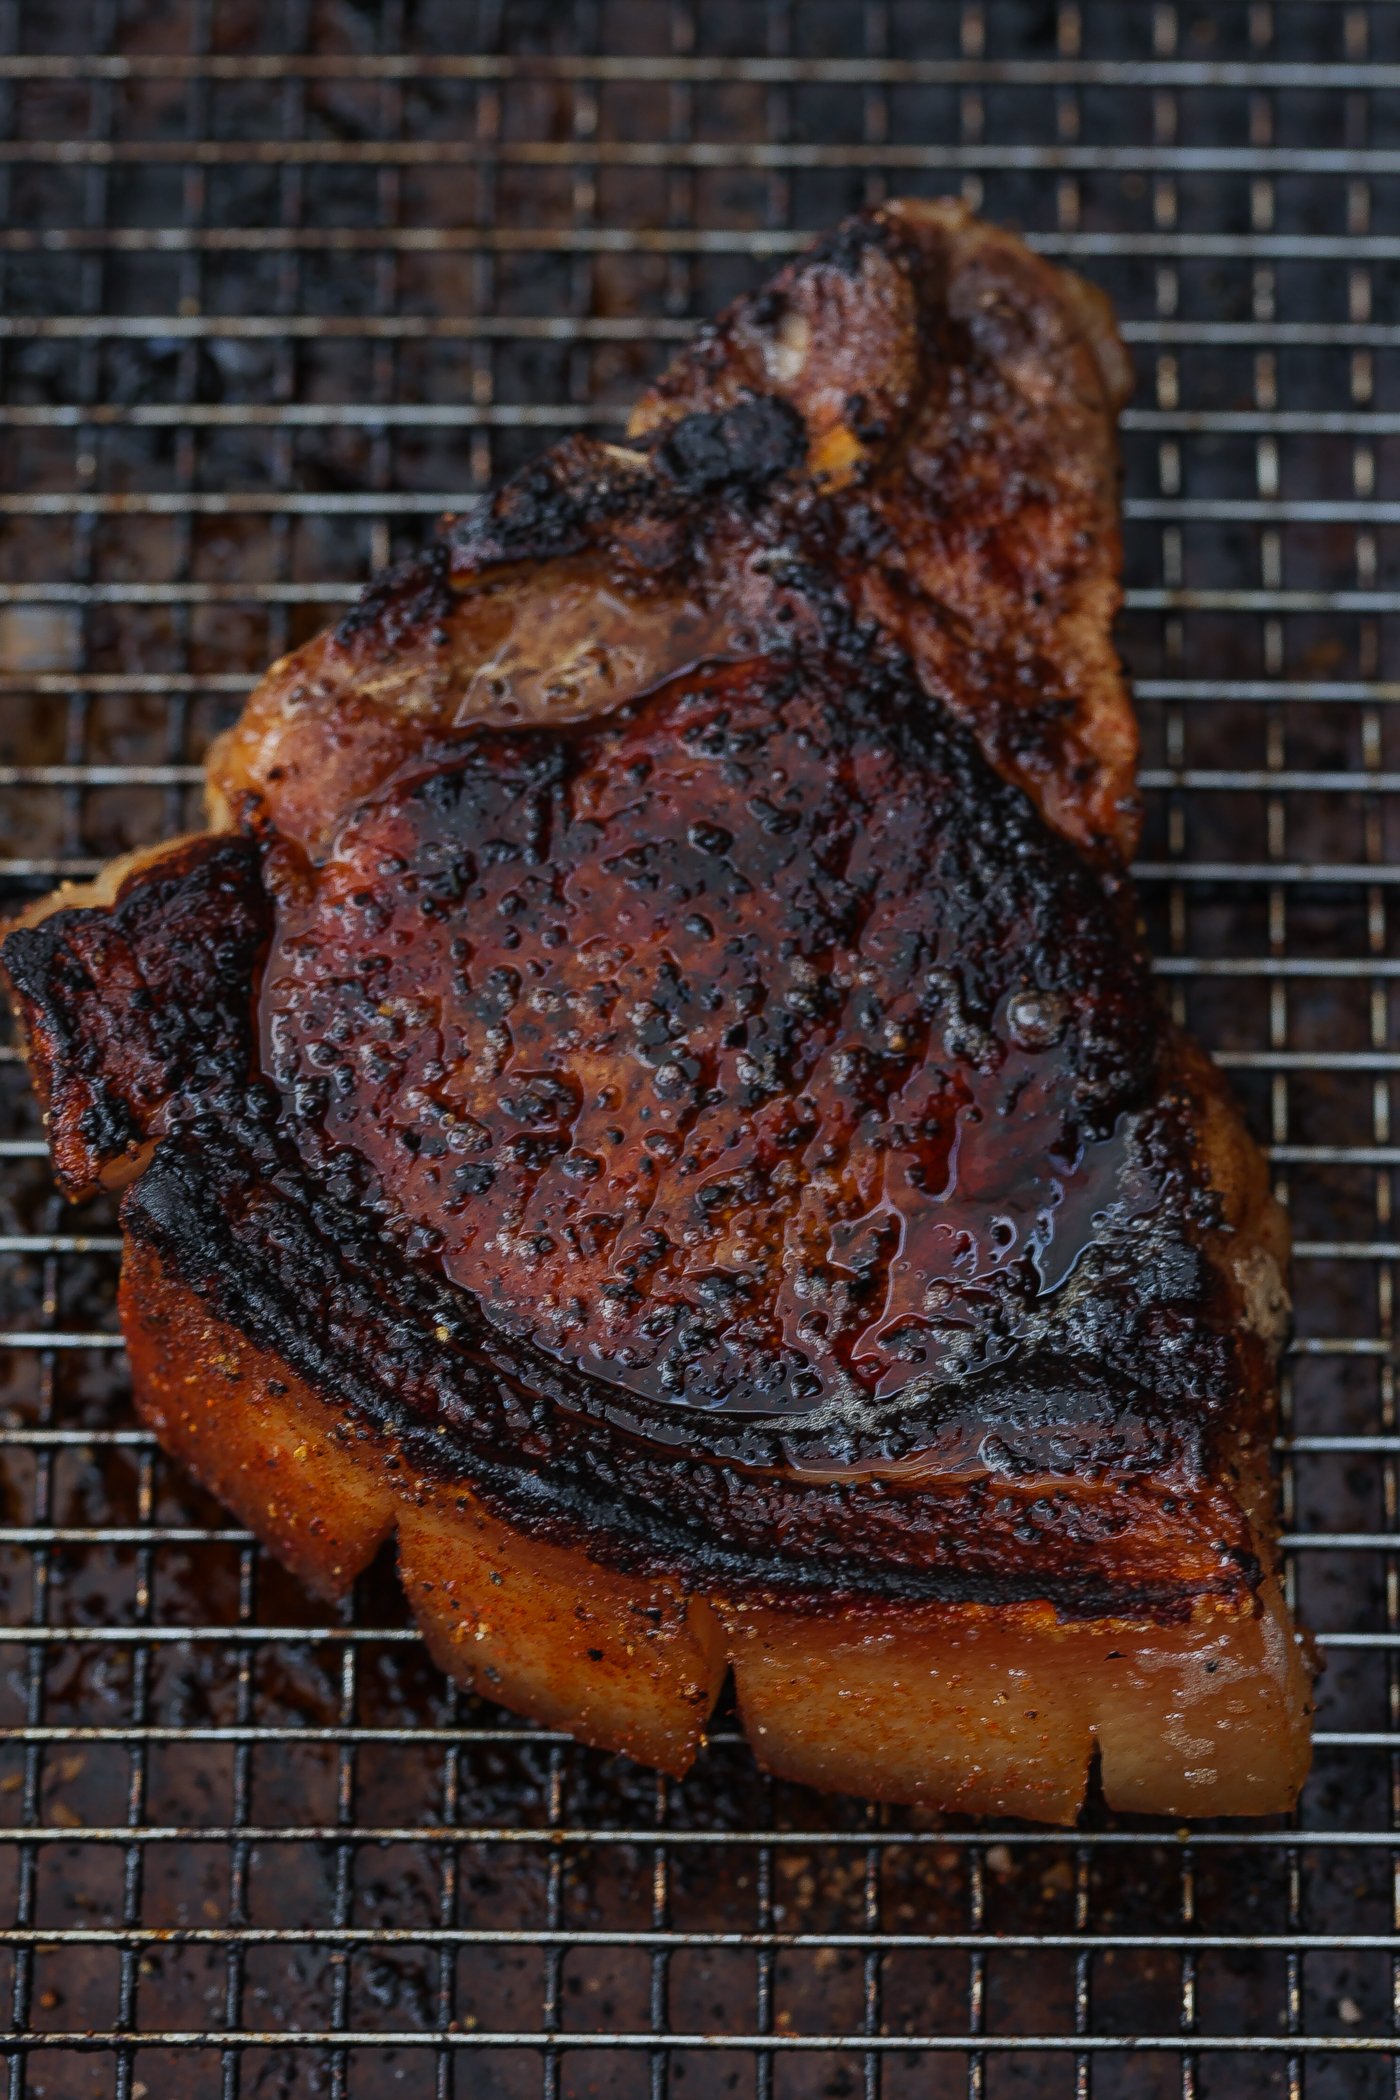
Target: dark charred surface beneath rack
[{"x": 281, "y": 284}]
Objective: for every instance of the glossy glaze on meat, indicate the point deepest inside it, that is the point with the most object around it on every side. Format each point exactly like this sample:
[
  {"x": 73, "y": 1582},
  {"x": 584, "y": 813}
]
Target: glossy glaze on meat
[{"x": 757, "y": 1053}]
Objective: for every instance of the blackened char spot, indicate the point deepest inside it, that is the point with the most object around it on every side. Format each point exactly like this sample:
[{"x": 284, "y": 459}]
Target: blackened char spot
[
  {"x": 107, "y": 1126},
  {"x": 740, "y": 448},
  {"x": 555, "y": 506},
  {"x": 411, "y": 595},
  {"x": 844, "y": 247},
  {"x": 539, "y": 512}
]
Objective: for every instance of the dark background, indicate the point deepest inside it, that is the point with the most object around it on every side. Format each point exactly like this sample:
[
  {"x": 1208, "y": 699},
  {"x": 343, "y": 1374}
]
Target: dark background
[{"x": 278, "y": 284}]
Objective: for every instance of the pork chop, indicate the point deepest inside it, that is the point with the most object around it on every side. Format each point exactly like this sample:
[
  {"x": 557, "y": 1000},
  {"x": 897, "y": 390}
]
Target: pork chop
[{"x": 651, "y": 1088}]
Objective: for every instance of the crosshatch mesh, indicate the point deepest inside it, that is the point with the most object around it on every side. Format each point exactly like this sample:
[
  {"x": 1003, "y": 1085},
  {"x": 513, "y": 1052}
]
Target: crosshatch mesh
[{"x": 279, "y": 284}]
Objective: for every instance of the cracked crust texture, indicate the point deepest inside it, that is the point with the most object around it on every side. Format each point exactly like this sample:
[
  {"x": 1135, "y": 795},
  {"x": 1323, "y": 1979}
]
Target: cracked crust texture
[{"x": 651, "y": 1087}]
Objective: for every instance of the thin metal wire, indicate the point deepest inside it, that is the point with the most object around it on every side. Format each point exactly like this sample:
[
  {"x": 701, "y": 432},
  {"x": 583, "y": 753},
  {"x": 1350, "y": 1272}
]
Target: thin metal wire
[
  {"x": 785, "y": 71},
  {"x": 760, "y": 2045}
]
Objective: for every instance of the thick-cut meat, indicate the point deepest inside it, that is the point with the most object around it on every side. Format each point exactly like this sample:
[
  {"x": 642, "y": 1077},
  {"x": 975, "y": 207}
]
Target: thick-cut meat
[{"x": 651, "y": 1088}]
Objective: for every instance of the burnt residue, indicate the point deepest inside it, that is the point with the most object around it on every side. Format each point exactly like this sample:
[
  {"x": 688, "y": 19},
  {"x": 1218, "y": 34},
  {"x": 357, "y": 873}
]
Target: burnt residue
[{"x": 739, "y": 449}]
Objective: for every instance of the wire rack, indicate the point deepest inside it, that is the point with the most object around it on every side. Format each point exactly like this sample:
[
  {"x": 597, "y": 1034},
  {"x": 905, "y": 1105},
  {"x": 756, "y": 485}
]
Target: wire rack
[{"x": 279, "y": 284}]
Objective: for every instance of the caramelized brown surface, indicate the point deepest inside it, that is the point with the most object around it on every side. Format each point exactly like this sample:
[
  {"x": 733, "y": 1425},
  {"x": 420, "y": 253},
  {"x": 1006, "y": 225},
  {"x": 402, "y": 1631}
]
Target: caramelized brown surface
[
  {"x": 967, "y": 392},
  {"x": 660, "y": 1048},
  {"x": 753, "y": 1052}
]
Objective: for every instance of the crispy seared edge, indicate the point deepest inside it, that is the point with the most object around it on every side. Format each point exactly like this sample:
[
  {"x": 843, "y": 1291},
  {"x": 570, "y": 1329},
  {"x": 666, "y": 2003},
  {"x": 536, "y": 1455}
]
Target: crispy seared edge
[
  {"x": 635, "y": 1666},
  {"x": 132, "y": 989}
]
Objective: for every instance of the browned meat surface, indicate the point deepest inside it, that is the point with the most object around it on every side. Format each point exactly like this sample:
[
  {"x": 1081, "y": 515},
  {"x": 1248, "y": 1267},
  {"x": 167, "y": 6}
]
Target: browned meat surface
[
  {"x": 652, "y": 1089},
  {"x": 933, "y": 403}
]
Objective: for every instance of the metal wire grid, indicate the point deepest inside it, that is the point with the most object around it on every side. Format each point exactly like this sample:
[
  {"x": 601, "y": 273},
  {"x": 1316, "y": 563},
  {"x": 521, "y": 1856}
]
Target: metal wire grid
[{"x": 280, "y": 283}]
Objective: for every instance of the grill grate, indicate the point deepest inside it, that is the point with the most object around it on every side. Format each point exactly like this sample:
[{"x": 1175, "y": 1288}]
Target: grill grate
[{"x": 280, "y": 283}]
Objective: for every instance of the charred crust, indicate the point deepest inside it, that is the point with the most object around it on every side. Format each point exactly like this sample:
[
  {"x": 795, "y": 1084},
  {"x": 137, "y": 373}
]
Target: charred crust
[
  {"x": 895, "y": 920},
  {"x": 555, "y": 506},
  {"x": 108, "y": 1127},
  {"x": 130, "y": 1010},
  {"x": 399, "y": 603},
  {"x": 844, "y": 249},
  {"x": 740, "y": 449}
]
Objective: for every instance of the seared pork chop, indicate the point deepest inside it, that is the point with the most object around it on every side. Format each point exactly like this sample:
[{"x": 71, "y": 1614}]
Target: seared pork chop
[{"x": 651, "y": 1088}]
